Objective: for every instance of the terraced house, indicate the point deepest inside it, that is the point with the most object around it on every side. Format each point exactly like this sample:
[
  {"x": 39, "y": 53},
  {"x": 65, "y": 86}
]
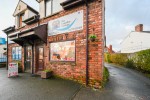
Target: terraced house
[{"x": 57, "y": 38}]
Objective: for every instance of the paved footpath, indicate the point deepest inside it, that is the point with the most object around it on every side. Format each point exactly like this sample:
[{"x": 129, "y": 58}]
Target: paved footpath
[
  {"x": 124, "y": 84},
  {"x": 26, "y": 87}
]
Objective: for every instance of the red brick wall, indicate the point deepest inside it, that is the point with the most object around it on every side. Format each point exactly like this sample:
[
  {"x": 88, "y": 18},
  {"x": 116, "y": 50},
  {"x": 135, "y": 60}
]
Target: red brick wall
[
  {"x": 77, "y": 70},
  {"x": 10, "y": 46}
]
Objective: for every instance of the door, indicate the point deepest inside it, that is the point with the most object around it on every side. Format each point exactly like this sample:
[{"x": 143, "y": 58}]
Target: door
[
  {"x": 40, "y": 58},
  {"x": 28, "y": 59}
]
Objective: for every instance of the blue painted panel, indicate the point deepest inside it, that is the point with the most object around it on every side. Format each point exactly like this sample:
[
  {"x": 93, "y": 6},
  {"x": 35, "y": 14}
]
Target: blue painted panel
[{"x": 2, "y": 41}]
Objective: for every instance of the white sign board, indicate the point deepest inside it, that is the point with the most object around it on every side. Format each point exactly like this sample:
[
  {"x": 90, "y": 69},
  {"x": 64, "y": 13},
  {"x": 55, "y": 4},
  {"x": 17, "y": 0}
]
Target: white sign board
[
  {"x": 13, "y": 69},
  {"x": 68, "y": 23}
]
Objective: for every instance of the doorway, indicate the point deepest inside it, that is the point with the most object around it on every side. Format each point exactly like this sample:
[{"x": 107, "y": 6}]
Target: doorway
[
  {"x": 28, "y": 58},
  {"x": 40, "y": 58}
]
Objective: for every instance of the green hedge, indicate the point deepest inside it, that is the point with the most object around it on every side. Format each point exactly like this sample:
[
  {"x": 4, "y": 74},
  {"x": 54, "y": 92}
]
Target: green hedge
[
  {"x": 142, "y": 60},
  {"x": 116, "y": 58},
  {"x": 139, "y": 60}
]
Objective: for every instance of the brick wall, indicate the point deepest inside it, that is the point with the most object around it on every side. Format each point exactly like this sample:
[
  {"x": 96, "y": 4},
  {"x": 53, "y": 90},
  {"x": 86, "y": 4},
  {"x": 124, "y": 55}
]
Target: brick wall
[
  {"x": 10, "y": 46},
  {"x": 77, "y": 70}
]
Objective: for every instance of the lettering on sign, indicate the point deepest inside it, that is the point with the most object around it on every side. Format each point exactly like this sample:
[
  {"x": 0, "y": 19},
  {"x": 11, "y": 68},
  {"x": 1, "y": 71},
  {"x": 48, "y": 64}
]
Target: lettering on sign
[{"x": 13, "y": 69}]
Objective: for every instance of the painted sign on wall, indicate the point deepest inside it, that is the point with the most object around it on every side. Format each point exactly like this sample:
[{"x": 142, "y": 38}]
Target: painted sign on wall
[
  {"x": 2, "y": 41},
  {"x": 12, "y": 69},
  {"x": 68, "y": 23}
]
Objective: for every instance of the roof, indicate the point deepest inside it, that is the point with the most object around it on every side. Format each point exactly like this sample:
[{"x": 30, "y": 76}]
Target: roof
[
  {"x": 147, "y": 32},
  {"x": 136, "y": 41},
  {"x": 29, "y": 7}
]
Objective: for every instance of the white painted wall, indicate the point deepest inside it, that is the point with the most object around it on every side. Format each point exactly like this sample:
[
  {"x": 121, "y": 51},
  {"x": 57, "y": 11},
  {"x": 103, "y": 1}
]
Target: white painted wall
[
  {"x": 1, "y": 48},
  {"x": 20, "y": 8},
  {"x": 135, "y": 41},
  {"x": 42, "y": 9}
]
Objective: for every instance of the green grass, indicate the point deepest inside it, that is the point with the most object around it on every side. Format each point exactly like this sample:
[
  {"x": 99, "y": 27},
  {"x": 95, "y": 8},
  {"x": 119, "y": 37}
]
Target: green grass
[{"x": 105, "y": 76}]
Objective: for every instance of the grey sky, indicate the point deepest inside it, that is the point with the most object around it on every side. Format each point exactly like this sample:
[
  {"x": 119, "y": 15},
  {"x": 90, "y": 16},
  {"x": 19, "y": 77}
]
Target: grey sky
[
  {"x": 121, "y": 17},
  {"x": 7, "y": 7}
]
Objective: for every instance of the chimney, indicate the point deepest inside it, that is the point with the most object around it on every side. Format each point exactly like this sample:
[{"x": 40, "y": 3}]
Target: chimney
[
  {"x": 139, "y": 28},
  {"x": 110, "y": 48}
]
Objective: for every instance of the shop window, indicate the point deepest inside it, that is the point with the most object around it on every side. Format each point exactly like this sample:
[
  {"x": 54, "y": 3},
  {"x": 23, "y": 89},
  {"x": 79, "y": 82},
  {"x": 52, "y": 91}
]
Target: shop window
[
  {"x": 62, "y": 51},
  {"x": 53, "y": 6},
  {"x": 16, "y": 53}
]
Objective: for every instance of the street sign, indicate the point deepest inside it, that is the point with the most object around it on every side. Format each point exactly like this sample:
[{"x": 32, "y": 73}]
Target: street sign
[{"x": 12, "y": 69}]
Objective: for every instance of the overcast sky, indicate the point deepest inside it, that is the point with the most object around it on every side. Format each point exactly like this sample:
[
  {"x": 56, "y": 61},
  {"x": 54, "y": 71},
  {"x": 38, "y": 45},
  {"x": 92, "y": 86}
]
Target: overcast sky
[
  {"x": 7, "y": 8},
  {"x": 121, "y": 17}
]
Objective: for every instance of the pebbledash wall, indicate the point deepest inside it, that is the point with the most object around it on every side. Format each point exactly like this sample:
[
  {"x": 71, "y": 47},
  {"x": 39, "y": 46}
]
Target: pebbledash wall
[{"x": 76, "y": 70}]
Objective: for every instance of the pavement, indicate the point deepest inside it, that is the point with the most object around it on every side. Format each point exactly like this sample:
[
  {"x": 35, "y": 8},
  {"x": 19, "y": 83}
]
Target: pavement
[
  {"x": 26, "y": 87},
  {"x": 123, "y": 84}
]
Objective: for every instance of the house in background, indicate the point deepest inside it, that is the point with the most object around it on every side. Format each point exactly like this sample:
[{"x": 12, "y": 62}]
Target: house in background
[
  {"x": 136, "y": 40},
  {"x": 57, "y": 38},
  {"x": 109, "y": 49}
]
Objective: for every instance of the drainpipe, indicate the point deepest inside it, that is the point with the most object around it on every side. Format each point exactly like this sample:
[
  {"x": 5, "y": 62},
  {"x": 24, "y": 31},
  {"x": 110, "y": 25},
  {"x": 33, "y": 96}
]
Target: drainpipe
[
  {"x": 33, "y": 58},
  {"x": 7, "y": 53},
  {"x": 87, "y": 31}
]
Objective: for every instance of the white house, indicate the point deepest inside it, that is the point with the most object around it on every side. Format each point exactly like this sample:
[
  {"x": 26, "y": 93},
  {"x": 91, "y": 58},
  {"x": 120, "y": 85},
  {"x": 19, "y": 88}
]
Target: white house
[{"x": 136, "y": 40}]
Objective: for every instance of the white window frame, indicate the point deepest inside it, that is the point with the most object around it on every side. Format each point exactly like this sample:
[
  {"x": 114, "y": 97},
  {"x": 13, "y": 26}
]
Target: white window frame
[{"x": 52, "y": 11}]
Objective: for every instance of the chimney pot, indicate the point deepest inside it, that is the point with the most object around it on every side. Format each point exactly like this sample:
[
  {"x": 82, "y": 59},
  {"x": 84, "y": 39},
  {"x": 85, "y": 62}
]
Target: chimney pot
[{"x": 139, "y": 28}]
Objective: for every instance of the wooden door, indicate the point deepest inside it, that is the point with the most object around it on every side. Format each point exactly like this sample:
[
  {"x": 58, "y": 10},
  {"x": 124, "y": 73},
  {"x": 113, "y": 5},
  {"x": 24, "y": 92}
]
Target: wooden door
[
  {"x": 28, "y": 59},
  {"x": 40, "y": 58}
]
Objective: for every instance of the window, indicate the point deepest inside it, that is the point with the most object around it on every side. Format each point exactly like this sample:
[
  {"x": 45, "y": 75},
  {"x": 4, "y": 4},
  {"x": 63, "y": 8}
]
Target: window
[
  {"x": 62, "y": 51},
  {"x": 21, "y": 17},
  {"x": 16, "y": 53},
  {"x": 53, "y": 6}
]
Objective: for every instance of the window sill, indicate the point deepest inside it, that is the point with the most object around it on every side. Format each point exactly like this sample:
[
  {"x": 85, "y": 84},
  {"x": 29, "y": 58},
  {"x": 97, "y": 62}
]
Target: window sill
[
  {"x": 20, "y": 27},
  {"x": 73, "y": 63},
  {"x": 52, "y": 14}
]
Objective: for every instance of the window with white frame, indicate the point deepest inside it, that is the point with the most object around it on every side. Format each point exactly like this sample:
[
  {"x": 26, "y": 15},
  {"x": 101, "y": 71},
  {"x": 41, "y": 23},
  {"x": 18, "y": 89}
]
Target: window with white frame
[
  {"x": 16, "y": 53},
  {"x": 53, "y": 6}
]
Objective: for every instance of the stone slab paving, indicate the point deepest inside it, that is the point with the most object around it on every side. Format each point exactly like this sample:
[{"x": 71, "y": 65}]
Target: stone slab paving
[{"x": 26, "y": 87}]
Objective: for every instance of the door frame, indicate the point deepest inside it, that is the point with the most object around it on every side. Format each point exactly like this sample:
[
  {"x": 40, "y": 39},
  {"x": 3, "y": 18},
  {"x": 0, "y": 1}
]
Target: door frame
[
  {"x": 25, "y": 57},
  {"x": 37, "y": 56}
]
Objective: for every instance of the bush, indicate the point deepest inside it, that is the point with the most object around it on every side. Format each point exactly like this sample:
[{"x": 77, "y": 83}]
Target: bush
[
  {"x": 142, "y": 60},
  {"x": 130, "y": 64},
  {"x": 119, "y": 59},
  {"x": 107, "y": 57},
  {"x": 139, "y": 60}
]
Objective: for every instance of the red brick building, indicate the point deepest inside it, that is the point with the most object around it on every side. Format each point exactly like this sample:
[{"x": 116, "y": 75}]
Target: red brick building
[{"x": 57, "y": 38}]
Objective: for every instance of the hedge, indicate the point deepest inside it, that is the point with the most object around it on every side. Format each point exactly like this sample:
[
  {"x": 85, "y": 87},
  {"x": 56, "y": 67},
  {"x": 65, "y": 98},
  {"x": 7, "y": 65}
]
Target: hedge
[
  {"x": 139, "y": 60},
  {"x": 116, "y": 58},
  {"x": 142, "y": 60}
]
